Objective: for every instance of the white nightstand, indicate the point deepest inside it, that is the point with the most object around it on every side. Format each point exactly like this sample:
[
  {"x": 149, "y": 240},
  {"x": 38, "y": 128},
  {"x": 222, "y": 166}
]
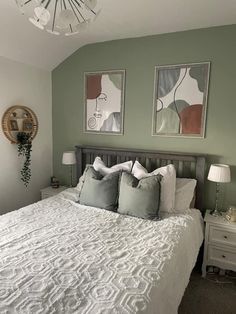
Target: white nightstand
[
  {"x": 220, "y": 243},
  {"x": 49, "y": 191}
]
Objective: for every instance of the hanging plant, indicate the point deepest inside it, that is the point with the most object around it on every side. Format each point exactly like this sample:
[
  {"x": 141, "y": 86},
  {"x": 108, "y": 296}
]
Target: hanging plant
[{"x": 24, "y": 141}]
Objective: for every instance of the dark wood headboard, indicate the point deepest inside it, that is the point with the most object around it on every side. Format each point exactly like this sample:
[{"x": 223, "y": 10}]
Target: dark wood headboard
[{"x": 186, "y": 165}]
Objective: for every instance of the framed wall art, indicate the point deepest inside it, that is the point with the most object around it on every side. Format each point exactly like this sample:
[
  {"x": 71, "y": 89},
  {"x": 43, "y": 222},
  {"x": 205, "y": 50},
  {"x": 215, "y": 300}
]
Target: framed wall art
[
  {"x": 104, "y": 102},
  {"x": 180, "y": 100}
]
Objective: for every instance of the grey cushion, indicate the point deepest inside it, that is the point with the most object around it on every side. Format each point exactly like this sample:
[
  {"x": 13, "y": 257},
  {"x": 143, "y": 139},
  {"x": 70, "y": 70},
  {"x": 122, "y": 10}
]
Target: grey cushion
[
  {"x": 100, "y": 191},
  {"x": 140, "y": 198}
]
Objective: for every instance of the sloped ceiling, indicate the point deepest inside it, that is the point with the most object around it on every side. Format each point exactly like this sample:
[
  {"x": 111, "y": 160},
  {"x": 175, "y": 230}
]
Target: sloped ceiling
[{"x": 21, "y": 41}]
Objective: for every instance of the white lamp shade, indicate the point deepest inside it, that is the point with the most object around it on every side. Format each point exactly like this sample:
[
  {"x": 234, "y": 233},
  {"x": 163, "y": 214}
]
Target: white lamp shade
[
  {"x": 219, "y": 173},
  {"x": 68, "y": 158}
]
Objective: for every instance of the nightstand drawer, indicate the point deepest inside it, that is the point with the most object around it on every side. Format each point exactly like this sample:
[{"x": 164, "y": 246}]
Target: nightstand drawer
[
  {"x": 220, "y": 243},
  {"x": 224, "y": 256},
  {"x": 222, "y": 236}
]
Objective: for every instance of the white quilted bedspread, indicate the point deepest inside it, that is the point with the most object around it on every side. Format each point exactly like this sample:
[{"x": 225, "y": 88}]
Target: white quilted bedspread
[{"x": 60, "y": 257}]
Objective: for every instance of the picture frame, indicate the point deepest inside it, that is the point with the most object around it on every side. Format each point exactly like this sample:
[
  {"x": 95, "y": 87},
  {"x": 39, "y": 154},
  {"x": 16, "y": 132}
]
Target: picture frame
[
  {"x": 180, "y": 100},
  {"x": 14, "y": 125},
  {"x": 27, "y": 125},
  {"x": 104, "y": 102}
]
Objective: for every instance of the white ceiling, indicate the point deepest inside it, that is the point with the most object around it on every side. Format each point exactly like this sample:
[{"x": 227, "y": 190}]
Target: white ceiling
[{"x": 21, "y": 41}]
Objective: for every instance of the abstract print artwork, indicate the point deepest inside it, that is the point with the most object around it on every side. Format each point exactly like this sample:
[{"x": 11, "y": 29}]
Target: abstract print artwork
[
  {"x": 104, "y": 102},
  {"x": 180, "y": 99}
]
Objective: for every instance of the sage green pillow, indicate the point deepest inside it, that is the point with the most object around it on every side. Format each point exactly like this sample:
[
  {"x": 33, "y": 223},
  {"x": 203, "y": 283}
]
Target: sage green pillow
[
  {"x": 100, "y": 191},
  {"x": 140, "y": 198}
]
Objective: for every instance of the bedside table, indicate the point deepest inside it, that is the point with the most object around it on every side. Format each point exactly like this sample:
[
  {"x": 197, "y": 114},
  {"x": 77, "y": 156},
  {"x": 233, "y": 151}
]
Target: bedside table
[
  {"x": 220, "y": 243},
  {"x": 49, "y": 191}
]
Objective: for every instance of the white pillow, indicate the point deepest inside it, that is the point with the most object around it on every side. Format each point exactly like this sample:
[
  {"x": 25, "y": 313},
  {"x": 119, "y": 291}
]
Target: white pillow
[
  {"x": 184, "y": 193},
  {"x": 168, "y": 182},
  {"x": 99, "y": 165}
]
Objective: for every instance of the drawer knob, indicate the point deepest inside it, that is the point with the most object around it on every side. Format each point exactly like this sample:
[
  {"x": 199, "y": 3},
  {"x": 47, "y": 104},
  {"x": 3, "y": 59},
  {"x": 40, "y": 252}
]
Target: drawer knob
[
  {"x": 225, "y": 237},
  {"x": 223, "y": 256}
]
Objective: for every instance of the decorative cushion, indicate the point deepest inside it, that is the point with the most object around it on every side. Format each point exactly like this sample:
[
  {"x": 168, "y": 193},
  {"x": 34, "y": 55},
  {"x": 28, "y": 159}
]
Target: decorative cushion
[
  {"x": 81, "y": 179},
  {"x": 184, "y": 193},
  {"x": 139, "y": 198},
  {"x": 168, "y": 182},
  {"x": 100, "y": 191},
  {"x": 101, "y": 167}
]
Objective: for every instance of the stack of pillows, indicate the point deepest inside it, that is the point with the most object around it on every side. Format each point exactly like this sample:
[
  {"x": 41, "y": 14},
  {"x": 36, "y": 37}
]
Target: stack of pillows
[{"x": 129, "y": 189}]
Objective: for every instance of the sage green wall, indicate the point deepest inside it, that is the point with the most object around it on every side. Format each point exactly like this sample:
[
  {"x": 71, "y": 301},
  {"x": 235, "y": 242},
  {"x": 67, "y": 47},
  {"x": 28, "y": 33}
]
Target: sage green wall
[{"x": 138, "y": 57}]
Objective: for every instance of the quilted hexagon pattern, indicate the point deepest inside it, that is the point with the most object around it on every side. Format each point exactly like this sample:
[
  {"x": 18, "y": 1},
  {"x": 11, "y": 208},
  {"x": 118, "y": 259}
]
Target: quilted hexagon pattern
[{"x": 57, "y": 256}]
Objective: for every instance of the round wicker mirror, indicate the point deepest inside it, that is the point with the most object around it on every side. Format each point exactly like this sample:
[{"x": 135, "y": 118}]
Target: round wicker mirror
[{"x": 19, "y": 119}]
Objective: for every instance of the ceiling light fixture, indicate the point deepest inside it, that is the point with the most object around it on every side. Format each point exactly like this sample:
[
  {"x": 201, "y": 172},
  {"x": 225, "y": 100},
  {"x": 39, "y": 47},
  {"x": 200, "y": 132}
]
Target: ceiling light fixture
[{"x": 60, "y": 16}]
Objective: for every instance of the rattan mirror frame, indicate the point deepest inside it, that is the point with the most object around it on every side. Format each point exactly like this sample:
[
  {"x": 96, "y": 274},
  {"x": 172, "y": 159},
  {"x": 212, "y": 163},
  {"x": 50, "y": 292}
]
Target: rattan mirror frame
[{"x": 19, "y": 119}]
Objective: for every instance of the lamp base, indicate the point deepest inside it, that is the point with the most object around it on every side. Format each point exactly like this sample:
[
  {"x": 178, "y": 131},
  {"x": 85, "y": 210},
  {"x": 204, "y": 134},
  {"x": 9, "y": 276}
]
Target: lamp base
[{"x": 216, "y": 213}]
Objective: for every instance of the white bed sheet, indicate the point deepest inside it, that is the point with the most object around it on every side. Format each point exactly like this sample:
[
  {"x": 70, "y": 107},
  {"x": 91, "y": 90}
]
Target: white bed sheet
[{"x": 57, "y": 256}]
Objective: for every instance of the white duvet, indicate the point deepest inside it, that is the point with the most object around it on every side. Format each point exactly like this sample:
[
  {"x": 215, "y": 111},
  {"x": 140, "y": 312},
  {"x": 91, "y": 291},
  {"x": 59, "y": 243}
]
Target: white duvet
[{"x": 60, "y": 257}]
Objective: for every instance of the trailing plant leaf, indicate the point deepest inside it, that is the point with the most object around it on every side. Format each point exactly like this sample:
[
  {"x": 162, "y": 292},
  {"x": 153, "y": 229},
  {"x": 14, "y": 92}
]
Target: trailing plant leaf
[{"x": 24, "y": 141}]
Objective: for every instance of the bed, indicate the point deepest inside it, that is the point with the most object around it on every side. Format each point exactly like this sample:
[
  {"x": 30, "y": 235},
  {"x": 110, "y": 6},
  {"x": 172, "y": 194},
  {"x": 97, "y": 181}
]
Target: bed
[{"x": 57, "y": 256}]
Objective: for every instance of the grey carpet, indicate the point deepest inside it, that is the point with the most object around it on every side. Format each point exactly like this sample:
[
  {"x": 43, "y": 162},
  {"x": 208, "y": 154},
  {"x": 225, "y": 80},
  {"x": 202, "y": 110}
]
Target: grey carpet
[{"x": 213, "y": 295}]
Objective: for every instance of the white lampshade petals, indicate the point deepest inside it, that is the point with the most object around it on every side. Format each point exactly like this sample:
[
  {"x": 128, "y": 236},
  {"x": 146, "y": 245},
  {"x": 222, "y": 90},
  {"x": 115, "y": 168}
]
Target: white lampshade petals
[
  {"x": 71, "y": 33},
  {"x": 50, "y": 31},
  {"x": 66, "y": 17},
  {"x": 219, "y": 173},
  {"x": 90, "y": 4},
  {"x": 68, "y": 158},
  {"x": 36, "y": 23},
  {"x": 42, "y": 14},
  {"x": 60, "y": 25}
]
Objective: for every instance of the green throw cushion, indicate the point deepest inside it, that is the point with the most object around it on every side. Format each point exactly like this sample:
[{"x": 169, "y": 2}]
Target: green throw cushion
[
  {"x": 100, "y": 191},
  {"x": 140, "y": 198}
]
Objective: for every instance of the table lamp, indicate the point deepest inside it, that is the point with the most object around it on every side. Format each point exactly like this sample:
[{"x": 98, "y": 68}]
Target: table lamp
[
  {"x": 220, "y": 174},
  {"x": 69, "y": 159}
]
